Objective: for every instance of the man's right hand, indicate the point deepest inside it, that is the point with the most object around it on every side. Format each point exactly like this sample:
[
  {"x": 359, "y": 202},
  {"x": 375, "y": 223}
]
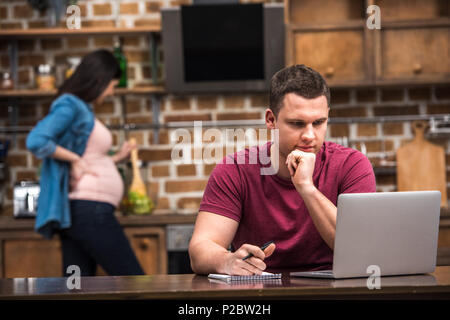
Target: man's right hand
[{"x": 235, "y": 265}]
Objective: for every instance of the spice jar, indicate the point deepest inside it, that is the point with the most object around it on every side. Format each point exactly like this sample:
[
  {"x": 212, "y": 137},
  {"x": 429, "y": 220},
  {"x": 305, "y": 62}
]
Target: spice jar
[
  {"x": 6, "y": 82},
  {"x": 45, "y": 79}
]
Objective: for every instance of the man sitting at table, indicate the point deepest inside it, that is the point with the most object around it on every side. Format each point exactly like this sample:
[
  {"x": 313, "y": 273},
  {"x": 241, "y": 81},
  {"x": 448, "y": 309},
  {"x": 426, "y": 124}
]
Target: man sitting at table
[{"x": 295, "y": 206}]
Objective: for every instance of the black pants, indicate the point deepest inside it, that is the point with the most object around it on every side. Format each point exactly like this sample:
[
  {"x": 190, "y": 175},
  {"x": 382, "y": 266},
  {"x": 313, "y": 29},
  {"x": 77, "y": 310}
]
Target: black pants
[{"x": 95, "y": 237}]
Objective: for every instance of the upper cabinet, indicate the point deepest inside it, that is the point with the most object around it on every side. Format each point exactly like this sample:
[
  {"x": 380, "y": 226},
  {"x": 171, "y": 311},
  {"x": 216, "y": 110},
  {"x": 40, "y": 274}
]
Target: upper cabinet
[{"x": 332, "y": 37}]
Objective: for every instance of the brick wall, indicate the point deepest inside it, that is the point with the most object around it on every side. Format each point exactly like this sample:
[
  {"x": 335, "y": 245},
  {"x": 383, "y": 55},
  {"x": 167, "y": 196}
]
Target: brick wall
[{"x": 179, "y": 188}]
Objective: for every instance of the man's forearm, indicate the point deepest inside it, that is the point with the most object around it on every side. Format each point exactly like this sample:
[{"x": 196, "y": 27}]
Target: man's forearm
[
  {"x": 323, "y": 213},
  {"x": 207, "y": 257}
]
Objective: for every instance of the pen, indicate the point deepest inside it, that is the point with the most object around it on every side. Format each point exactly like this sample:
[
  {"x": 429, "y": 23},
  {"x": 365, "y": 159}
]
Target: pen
[{"x": 265, "y": 245}]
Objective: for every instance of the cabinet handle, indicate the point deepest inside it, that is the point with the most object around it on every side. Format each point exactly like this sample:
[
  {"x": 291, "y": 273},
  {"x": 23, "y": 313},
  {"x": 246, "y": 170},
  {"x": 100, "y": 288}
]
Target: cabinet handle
[
  {"x": 144, "y": 244},
  {"x": 329, "y": 72},
  {"x": 417, "y": 68}
]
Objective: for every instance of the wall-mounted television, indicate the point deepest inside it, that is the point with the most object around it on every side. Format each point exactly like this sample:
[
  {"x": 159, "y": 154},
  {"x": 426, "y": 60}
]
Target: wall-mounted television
[{"x": 222, "y": 47}]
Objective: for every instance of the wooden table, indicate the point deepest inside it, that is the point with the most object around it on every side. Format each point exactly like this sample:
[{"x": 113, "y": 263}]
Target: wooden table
[{"x": 189, "y": 286}]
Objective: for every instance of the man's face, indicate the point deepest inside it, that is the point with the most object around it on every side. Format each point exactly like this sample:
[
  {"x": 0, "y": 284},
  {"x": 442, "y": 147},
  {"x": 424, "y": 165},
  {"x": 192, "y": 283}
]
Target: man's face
[{"x": 302, "y": 123}]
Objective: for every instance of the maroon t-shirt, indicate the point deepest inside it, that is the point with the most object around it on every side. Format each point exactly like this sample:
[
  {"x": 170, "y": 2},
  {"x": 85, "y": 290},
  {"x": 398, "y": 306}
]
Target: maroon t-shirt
[{"x": 269, "y": 207}]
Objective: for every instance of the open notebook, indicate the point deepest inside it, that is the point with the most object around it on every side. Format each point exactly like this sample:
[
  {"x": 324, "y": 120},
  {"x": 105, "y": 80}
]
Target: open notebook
[{"x": 255, "y": 277}]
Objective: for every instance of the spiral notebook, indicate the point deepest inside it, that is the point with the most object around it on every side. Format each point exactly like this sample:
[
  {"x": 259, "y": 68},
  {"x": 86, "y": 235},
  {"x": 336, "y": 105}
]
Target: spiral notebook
[{"x": 255, "y": 277}]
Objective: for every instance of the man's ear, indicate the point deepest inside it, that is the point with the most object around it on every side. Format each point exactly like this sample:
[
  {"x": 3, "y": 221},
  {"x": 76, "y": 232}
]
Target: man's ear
[{"x": 271, "y": 119}]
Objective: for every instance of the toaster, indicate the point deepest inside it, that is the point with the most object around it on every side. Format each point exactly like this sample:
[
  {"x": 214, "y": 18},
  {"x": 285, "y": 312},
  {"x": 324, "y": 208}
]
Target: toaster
[{"x": 26, "y": 194}]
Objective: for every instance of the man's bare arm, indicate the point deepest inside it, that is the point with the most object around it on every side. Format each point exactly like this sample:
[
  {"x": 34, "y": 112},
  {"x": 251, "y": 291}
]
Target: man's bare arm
[{"x": 209, "y": 253}]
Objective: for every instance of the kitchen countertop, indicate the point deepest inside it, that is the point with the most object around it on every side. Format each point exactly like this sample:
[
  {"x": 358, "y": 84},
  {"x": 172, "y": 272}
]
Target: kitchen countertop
[
  {"x": 189, "y": 286},
  {"x": 11, "y": 223}
]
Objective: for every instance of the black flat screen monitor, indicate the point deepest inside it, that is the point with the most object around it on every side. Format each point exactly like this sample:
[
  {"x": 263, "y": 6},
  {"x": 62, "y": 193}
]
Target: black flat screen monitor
[
  {"x": 223, "y": 42},
  {"x": 222, "y": 47}
]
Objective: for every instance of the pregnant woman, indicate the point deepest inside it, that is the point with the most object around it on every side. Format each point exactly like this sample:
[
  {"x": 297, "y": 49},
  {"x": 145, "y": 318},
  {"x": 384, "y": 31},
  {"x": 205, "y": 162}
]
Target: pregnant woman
[{"x": 80, "y": 184}]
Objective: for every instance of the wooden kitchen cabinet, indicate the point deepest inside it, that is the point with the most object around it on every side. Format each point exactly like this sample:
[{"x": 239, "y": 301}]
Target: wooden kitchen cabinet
[
  {"x": 411, "y": 47},
  {"x": 414, "y": 54},
  {"x": 338, "y": 55},
  {"x": 25, "y": 253}
]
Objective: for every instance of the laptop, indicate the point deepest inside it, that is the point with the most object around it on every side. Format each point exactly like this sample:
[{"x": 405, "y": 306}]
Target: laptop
[{"x": 394, "y": 233}]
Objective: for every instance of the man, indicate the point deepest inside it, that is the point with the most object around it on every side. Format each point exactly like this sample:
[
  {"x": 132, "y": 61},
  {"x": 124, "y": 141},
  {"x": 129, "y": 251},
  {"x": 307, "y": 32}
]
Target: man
[{"x": 296, "y": 206}]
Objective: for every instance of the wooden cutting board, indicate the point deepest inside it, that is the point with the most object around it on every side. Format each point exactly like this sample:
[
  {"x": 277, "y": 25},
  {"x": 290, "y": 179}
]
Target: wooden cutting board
[{"x": 421, "y": 165}]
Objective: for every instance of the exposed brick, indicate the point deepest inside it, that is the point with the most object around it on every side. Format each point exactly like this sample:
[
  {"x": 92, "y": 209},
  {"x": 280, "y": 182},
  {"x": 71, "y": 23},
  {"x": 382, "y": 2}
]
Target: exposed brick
[
  {"x": 104, "y": 108},
  {"x": 137, "y": 56},
  {"x": 185, "y": 186},
  {"x": 36, "y": 24},
  {"x": 152, "y": 7},
  {"x": 367, "y": 129},
  {"x": 23, "y": 11},
  {"x": 392, "y": 128},
  {"x": 339, "y": 130},
  {"x": 386, "y": 179},
  {"x": 392, "y": 95},
  {"x": 31, "y": 59},
  {"x": 3, "y": 13},
  {"x": 339, "y": 96},
  {"x": 160, "y": 171},
  {"x": 186, "y": 170},
  {"x": 377, "y": 146},
  {"x": 146, "y": 22},
  {"x": 155, "y": 155},
  {"x": 442, "y": 92},
  {"x": 208, "y": 168},
  {"x": 103, "y": 41},
  {"x": 162, "y": 203},
  {"x": 26, "y": 175},
  {"x": 187, "y": 117},
  {"x": 11, "y": 25},
  {"x": 16, "y": 160},
  {"x": 189, "y": 203},
  {"x": 24, "y": 76},
  {"x": 395, "y": 110},
  {"x": 240, "y": 116},
  {"x": 234, "y": 102},
  {"x": 133, "y": 106},
  {"x": 103, "y": 9},
  {"x": 129, "y": 8},
  {"x": 51, "y": 44},
  {"x": 348, "y": 112},
  {"x": 163, "y": 137},
  {"x": 131, "y": 41},
  {"x": 138, "y": 136},
  {"x": 206, "y": 102},
  {"x": 420, "y": 93},
  {"x": 180, "y": 103},
  {"x": 26, "y": 45},
  {"x": 259, "y": 100},
  {"x": 441, "y": 108},
  {"x": 99, "y": 23},
  {"x": 366, "y": 95},
  {"x": 76, "y": 42},
  {"x": 139, "y": 119}
]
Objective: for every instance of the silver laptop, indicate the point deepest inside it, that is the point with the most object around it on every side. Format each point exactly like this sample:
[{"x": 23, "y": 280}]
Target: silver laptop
[{"x": 397, "y": 232}]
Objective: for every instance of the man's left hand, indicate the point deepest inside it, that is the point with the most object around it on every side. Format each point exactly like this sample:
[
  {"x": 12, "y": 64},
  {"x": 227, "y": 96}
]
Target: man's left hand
[{"x": 301, "y": 167}]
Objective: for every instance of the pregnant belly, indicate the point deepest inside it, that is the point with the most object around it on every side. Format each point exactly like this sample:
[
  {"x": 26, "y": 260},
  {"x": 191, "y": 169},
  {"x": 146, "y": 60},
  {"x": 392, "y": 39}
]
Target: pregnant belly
[{"x": 105, "y": 186}]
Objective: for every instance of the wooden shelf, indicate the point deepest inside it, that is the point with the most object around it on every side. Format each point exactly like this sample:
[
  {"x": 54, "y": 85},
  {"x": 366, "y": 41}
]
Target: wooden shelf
[
  {"x": 19, "y": 93},
  {"x": 62, "y": 32}
]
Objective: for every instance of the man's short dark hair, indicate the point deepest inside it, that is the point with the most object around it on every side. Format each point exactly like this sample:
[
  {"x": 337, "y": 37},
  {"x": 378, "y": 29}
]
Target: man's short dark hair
[{"x": 298, "y": 79}]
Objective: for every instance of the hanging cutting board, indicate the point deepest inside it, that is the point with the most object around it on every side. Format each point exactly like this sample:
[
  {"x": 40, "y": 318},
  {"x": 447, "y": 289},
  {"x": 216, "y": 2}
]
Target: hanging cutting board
[{"x": 421, "y": 165}]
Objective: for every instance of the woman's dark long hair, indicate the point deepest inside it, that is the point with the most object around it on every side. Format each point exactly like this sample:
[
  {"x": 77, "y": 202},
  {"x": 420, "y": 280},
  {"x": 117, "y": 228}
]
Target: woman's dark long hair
[{"x": 92, "y": 76}]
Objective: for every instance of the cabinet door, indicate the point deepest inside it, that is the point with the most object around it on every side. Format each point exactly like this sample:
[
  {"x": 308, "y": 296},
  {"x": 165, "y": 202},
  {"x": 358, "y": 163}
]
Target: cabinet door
[
  {"x": 418, "y": 54},
  {"x": 338, "y": 55},
  {"x": 31, "y": 256},
  {"x": 149, "y": 245}
]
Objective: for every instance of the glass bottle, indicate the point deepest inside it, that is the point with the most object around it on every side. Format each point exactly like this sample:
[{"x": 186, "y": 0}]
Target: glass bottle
[{"x": 122, "y": 60}]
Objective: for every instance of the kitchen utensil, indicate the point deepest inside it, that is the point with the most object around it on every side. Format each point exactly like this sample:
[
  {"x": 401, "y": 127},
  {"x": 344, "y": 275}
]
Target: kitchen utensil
[{"x": 421, "y": 165}]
